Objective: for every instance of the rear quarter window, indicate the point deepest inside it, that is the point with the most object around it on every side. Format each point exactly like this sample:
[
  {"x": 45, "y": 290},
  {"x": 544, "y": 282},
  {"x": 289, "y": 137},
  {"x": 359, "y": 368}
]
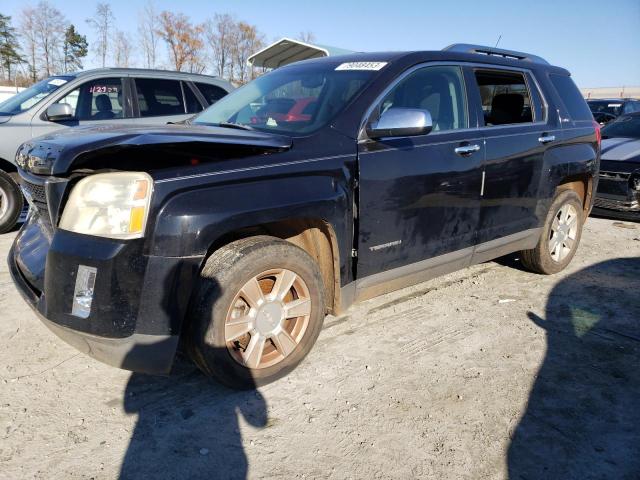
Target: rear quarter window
[{"x": 571, "y": 97}]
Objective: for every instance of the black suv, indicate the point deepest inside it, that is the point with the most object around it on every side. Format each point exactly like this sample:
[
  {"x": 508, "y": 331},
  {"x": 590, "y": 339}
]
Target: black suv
[
  {"x": 317, "y": 185},
  {"x": 607, "y": 109}
]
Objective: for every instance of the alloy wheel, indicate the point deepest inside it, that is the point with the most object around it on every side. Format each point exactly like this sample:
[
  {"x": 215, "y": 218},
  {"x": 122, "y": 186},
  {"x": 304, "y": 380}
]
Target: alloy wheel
[
  {"x": 564, "y": 231},
  {"x": 268, "y": 318}
]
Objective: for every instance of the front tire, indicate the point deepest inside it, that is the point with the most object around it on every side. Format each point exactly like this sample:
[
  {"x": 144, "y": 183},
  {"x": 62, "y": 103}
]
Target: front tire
[
  {"x": 256, "y": 313},
  {"x": 560, "y": 235},
  {"x": 11, "y": 202}
]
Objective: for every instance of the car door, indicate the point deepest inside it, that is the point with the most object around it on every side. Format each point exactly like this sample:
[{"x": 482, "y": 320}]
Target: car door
[
  {"x": 159, "y": 100},
  {"x": 517, "y": 134},
  {"x": 94, "y": 102},
  {"x": 419, "y": 196}
]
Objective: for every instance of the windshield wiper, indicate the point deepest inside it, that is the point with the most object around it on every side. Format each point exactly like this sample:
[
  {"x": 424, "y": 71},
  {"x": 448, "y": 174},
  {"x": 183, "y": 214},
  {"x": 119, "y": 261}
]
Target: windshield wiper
[{"x": 239, "y": 126}]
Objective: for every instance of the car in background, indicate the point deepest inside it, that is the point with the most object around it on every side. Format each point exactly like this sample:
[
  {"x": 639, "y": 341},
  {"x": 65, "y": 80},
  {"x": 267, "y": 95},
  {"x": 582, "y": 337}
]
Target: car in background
[
  {"x": 607, "y": 109},
  {"x": 618, "y": 193},
  {"x": 94, "y": 97}
]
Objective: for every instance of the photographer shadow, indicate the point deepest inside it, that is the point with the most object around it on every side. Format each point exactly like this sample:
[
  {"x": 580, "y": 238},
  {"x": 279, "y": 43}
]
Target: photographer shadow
[
  {"x": 583, "y": 416},
  {"x": 188, "y": 425}
]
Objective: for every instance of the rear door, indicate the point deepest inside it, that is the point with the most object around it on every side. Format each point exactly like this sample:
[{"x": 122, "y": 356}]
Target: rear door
[
  {"x": 518, "y": 133},
  {"x": 161, "y": 100},
  {"x": 419, "y": 198}
]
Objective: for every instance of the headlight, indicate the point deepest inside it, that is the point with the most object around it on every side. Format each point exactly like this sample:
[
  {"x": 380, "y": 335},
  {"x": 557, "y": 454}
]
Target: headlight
[{"x": 112, "y": 205}]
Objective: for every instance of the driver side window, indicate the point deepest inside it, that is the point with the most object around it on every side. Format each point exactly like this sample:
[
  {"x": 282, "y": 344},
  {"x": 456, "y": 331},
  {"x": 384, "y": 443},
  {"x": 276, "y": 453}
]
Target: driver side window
[
  {"x": 438, "y": 89},
  {"x": 97, "y": 100}
]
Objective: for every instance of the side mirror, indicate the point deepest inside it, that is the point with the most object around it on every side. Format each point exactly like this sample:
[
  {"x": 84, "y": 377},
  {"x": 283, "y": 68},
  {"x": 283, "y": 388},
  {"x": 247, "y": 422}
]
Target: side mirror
[
  {"x": 59, "y": 111},
  {"x": 401, "y": 122}
]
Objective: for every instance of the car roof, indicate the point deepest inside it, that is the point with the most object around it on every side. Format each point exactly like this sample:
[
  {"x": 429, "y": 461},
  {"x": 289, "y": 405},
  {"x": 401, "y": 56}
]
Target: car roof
[
  {"x": 431, "y": 56},
  {"x": 145, "y": 72}
]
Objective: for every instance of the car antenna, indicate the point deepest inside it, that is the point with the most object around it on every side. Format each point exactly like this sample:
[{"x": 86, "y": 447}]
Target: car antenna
[{"x": 498, "y": 41}]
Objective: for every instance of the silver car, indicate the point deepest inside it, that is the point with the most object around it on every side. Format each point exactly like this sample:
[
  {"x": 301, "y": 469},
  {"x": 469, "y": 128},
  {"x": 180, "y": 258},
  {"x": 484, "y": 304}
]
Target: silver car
[{"x": 94, "y": 97}]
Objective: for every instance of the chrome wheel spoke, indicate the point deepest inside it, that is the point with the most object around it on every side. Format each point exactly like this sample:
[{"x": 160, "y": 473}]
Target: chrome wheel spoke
[
  {"x": 284, "y": 343},
  {"x": 555, "y": 224},
  {"x": 253, "y": 354},
  {"x": 569, "y": 243},
  {"x": 252, "y": 293},
  {"x": 284, "y": 281},
  {"x": 297, "y": 308},
  {"x": 238, "y": 327}
]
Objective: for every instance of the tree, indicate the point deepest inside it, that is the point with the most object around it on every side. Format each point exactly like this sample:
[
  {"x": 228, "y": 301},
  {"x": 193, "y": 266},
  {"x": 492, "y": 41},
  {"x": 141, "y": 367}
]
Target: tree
[
  {"x": 247, "y": 40},
  {"x": 148, "y": 33},
  {"x": 121, "y": 49},
  {"x": 29, "y": 35},
  {"x": 9, "y": 54},
  {"x": 307, "y": 37},
  {"x": 50, "y": 27},
  {"x": 75, "y": 48},
  {"x": 183, "y": 39},
  {"x": 219, "y": 33},
  {"x": 102, "y": 22}
]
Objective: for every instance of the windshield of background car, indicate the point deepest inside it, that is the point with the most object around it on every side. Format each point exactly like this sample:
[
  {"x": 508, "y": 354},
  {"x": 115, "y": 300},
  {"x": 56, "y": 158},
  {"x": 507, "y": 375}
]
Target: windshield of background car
[
  {"x": 612, "y": 107},
  {"x": 292, "y": 100},
  {"x": 623, "y": 127},
  {"x": 32, "y": 95}
]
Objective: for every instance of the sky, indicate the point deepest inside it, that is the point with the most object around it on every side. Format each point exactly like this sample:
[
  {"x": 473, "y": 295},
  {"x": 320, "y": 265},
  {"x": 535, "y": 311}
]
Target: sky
[{"x": 597, "y": 41}]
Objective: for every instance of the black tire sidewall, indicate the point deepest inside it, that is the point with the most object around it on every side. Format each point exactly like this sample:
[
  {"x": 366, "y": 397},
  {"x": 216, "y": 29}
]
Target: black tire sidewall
[
  {"x": 219, "y": 286},
  {"x": 14, "y": 199}
]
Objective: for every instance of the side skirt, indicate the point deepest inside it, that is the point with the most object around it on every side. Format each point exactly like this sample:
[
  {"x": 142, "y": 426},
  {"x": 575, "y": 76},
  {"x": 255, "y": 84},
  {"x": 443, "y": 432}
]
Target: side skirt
[{"x": 412, "y": 274}]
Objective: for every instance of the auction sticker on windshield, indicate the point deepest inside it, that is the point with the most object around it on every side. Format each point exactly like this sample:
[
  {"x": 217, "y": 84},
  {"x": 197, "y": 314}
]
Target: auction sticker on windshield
[
  {"x": 361, "y": 66},
  {"x": 57, "y": 82}
]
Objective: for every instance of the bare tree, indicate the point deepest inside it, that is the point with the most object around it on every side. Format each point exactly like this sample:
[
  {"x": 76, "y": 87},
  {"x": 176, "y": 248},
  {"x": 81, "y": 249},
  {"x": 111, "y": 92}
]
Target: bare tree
[
  {"x": 29, "y": 35},
  {"x": 306, "y": 37},
  {"x": 102, "y": 22},
  {"x": 121, "y": 49},
  {"x": 219, "y": 33},
  {"x": 183, "y": 39},
  {"x": 148, "y": 26},
  {"x": 247, "y": 40}
]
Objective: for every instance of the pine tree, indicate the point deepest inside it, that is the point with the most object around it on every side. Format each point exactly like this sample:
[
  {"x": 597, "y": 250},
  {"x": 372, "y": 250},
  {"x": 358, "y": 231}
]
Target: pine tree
[
  {"x": 9, "y": 54},
  {"x": 75, "y": 48}
]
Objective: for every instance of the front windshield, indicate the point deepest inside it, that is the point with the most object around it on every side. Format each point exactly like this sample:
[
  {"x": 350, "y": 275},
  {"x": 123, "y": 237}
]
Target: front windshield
[
  {"x": 292, "y": 100},
  {"x": 611, "y": 107},
  {"x": 623, "y": 127},
  {"x": 32, "y": 95}
]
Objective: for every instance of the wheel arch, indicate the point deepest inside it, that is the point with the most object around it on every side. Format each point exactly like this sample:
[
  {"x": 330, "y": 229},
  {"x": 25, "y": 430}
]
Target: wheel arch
[
  {"x": 582, "y": 184},
  {"x": 315, "y": 236}
]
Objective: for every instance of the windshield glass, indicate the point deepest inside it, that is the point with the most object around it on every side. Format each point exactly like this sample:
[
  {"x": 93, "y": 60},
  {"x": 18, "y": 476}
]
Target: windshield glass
[
  {"x": 626, "y": 127},
  {"x": 606, "y": 106},
  {"x": 291, "y": 100},
  {"x": 32, "y": 95}
]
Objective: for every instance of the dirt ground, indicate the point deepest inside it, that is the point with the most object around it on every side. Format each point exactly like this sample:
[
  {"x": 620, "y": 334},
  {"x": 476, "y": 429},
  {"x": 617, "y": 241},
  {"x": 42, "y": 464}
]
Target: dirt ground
[{"x": 490, "y": 372}]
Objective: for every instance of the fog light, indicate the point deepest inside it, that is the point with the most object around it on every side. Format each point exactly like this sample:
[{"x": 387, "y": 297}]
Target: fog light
[{"x": 83, "y": 293}]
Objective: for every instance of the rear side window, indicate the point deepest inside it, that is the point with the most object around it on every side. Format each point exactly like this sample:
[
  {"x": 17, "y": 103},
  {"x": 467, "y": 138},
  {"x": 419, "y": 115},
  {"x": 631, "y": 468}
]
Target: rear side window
[
  {"x": 211, "y": 93},
  {"x": 571, "y": 97},
  {"x": 505, "y": 97},
  {"x": 193, "y": 104},
  {"x": 157, "y": 98}
]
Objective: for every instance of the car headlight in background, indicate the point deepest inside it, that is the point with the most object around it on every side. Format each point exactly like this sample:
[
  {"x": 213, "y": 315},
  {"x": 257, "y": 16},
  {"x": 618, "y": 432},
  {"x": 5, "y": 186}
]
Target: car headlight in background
[
  {"x": 112, "y": 205},
  {"x": 634, "y": 181}
]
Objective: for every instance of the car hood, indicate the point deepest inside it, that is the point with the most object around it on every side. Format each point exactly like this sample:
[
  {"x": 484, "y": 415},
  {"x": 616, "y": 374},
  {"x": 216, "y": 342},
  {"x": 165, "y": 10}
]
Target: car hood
[
  {"x": 64, "y": 150},
  {"x": 4, "y": 118},
  {"x": 621, "y": 149}
]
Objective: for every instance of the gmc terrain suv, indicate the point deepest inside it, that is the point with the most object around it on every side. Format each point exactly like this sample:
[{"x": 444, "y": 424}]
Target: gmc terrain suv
[
  {"x": 94, "y": 97},
  {"x": 235, "y": 234}
]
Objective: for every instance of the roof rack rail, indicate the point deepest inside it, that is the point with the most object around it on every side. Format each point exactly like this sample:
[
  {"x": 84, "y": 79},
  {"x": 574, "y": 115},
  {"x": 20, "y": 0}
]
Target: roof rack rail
[{"x": 491, "y": 51}]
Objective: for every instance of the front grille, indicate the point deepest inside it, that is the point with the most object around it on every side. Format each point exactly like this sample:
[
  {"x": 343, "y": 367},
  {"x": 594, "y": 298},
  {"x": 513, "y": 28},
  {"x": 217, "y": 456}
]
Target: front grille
[
  {"x": 617, "y": 205},
  {"x": 616, "y": 176},
  {"x": 38, "y": 201}
]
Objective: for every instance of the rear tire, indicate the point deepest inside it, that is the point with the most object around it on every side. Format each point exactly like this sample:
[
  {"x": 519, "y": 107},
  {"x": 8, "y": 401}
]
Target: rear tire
[
  {"x": 11, "y": 202},
  {"x": 247, "y": 337},
  {"x": 560, "y": 236}
]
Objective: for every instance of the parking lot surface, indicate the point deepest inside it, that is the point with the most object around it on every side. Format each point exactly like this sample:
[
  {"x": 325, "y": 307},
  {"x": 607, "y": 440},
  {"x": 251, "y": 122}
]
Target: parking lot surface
[{"x": 490, "y": 372}]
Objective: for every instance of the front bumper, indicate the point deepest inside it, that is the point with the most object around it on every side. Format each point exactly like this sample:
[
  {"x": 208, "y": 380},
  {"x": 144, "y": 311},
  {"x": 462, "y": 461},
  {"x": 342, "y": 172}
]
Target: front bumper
[{"x": 135, "y": 319}]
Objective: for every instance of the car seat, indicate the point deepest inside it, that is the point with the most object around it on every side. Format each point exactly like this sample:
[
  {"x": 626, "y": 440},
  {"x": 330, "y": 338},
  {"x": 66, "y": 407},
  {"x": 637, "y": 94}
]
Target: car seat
[{"x": 104, "y": 107}]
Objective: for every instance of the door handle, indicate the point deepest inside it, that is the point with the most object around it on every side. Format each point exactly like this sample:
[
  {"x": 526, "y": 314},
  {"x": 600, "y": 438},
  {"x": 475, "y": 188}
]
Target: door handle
[
  {"x": 467, "y": 149},
  {"x": 546, "y": 138}
]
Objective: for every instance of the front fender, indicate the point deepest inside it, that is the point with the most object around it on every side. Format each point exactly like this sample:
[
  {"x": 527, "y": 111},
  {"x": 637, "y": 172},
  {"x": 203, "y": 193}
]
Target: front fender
[{"x": 192, "y": 220}]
